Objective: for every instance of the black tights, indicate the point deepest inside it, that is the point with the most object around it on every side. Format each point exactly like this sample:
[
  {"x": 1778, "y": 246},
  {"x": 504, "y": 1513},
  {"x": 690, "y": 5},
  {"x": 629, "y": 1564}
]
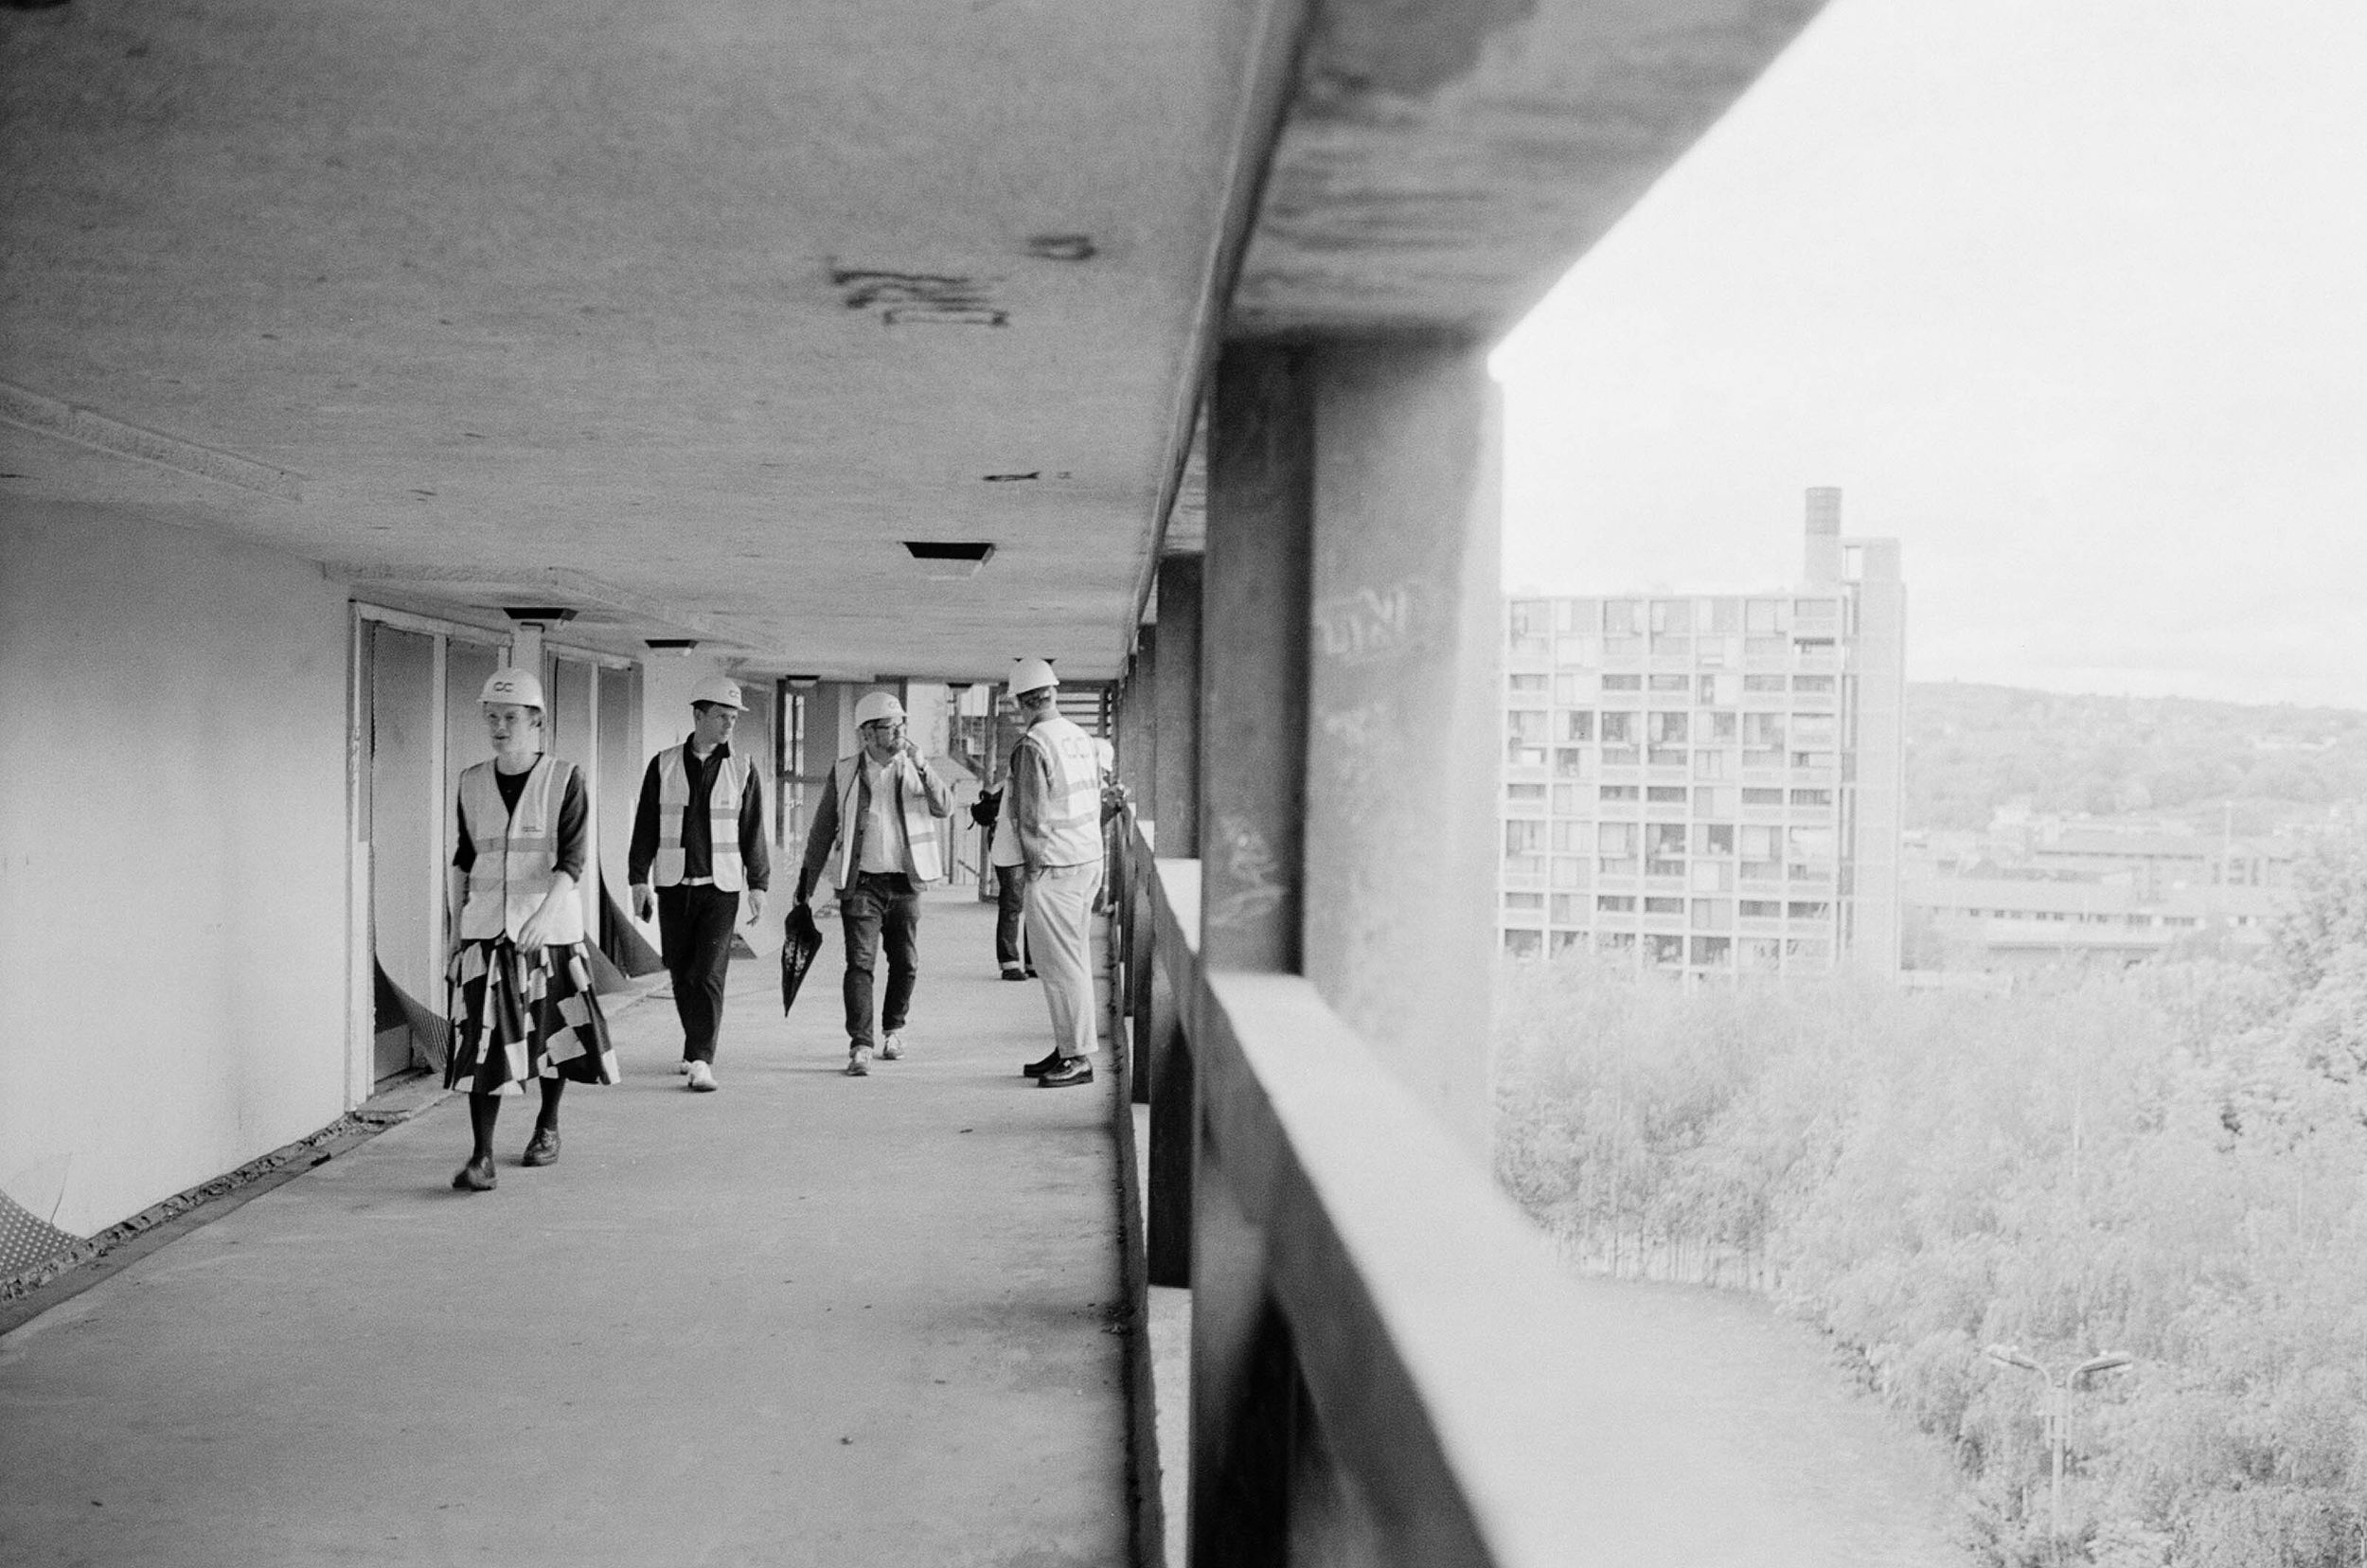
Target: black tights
[{"x": 484, "y": 1110}]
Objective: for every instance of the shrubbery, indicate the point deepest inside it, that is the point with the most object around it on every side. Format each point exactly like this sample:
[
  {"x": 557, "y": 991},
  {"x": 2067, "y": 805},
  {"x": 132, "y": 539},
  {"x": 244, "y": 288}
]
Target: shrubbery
[{"x": 2169, "y": 1162}]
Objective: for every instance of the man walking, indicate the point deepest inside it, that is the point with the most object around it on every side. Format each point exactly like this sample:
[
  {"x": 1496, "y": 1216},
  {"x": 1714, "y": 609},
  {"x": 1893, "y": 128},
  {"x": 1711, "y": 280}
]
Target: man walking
[
  {"x": 874, "y": 828},
  {"x": 1055, "y": 812},
  {"x": 700, "y": 830}
]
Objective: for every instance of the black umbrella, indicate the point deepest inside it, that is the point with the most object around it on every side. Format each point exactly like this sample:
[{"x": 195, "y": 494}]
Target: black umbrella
[{"x": 800, "y": 940}]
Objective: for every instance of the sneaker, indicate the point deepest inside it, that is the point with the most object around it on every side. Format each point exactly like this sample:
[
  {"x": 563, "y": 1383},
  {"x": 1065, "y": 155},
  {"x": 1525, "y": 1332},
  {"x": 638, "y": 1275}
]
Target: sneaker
[
  {"x": 858, "y": 1062},
  {"x": 1038, "y": 1069},
  {"x": 543, "y": 1148},
  {"x": 891, "y": 1046},
  {"x": 1071, "y": 1070},
  {"x": 701, "y": 1078}
]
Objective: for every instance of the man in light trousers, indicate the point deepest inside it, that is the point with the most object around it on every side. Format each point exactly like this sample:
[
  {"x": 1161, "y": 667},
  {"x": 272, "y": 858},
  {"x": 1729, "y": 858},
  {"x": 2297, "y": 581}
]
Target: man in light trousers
[{"x": 1055, "y": 807}]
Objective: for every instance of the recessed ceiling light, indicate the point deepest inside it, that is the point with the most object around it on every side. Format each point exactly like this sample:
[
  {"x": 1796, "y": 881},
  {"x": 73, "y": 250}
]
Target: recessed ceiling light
[{"x": 948, "y": 559}]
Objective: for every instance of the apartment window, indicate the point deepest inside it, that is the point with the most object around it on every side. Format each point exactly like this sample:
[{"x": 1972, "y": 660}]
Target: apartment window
[
  {"x": 1808, "y": 797},
  {"x": 1615, "y": 838},
  {"x": 1578, "y": 725},
  {"x": 1810, "y": 948},
  {"x": 1529, "y": 686},
  {"x": 1761, "y": 909},
  {"x": 1725, "y": 614},
  {"x": 1713, "y": 838},
  {"x": 1762, "y": 683},
  {"x": 1815, "y": 612},
  {"x": 1812, "y": 729},
  {"x": 1672, "y": 615},
  {"x": 1620, "y": 617},
  {"x": 1665, "y": 840},
  {"x": 1617, "y": 792},
  {"x": 1812, "y": 683},
  {"x": 1622, "y": 683},
  {"x": 1524, "y": 837},
  {"x": 1709, "y": 764},
  {"x": 1567, "y": 911},
  {"x": 1665, "y": 950},
  {"x": 1671, "y": 683},
  {"x": 1665, "y": 729},
  {"x": 1664, "y": 906},
  {"x": 1705, "y": 690},
  {"x": 1566, "y": 941},
  {"x": 1712, "y": 913},
  {"x": 1524, "y": 794},
  {"x": 1570, "y": 688},
  {"x": 1711, "y": 952},
  {"x": 1525, "y": 944},
  {"x": 1532, "y": 626},
  {"x": 1524, "y": 901},
  {"x": 1761, "y": 797},
  {"x": 1569, "y": 762},
  {"x": 1525, "y": 737},
  {"x": 1619, "y": 729},
  {"x": 1799, "y": 910},
  {"x": 1665, "y": 794},
  {"x": 1762, "y": 952},
  {"x": 1566, "y": 801},
  {"x": 1614, "y": 903},
  {"x": 1615, "y": 941},
  {"x": 1722, "y": 725},
  {"x": 1760, "y": 729},
  {"x": 1763, "y": 615},
  {"x": 1714, "y": 800}
]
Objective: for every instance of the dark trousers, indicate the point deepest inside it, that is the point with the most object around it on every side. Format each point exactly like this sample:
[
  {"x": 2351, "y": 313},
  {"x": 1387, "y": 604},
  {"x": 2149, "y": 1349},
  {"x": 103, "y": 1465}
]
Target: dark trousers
[
  {"x": 881, "y": 909},
  {"x": 1010, "y": 916},
  {"x": 694, "y": 928}
]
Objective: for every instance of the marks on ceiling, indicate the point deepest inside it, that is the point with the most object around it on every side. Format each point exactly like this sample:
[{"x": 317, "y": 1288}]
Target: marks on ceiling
[{"x": 918, "y": 299}]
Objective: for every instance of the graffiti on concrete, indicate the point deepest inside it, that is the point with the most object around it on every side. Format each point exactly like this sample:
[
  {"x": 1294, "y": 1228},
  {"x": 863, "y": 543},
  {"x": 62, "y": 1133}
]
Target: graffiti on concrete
[
  {"x": 1370, "y": 624},
  {"x": 1252, "y": 883},
  {"x": 918, "y": 299}
]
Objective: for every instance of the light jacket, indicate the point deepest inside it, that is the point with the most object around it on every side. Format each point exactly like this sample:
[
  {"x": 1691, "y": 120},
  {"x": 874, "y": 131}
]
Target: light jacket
[
  {"x": 517, "y": 853},
  {"x": 1058, "y": 814},
  {"x": 841, "y": 808},
  {"x": 673, "y": 796}
]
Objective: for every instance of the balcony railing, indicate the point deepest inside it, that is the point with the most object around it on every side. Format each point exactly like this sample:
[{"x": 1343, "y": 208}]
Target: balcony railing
[{"x": 1388, "y": 1364}]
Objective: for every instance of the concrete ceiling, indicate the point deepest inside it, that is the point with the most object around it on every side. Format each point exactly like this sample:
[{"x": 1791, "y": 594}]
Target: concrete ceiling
[{"x": 689, "y": 314}]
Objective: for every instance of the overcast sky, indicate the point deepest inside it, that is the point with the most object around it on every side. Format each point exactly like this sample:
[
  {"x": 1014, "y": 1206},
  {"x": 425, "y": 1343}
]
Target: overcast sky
[{"x": 2066, "y": 295}]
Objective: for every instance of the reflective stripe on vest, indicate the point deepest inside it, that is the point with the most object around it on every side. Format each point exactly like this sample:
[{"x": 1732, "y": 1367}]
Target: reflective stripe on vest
[
  {"x": 1070, "y": 814},
  {"x": 517, "y": 852},
  {"x": 920, "y": 828},
  {"x": 673, "y": 798}
]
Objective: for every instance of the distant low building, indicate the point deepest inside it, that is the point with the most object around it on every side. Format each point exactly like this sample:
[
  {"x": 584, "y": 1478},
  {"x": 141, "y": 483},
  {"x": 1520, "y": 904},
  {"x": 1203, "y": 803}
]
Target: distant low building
[{"x": 1711, "y": 784}]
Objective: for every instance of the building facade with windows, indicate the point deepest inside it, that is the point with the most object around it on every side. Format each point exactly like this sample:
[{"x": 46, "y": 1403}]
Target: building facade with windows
[{"x": 1711, "y": 783}]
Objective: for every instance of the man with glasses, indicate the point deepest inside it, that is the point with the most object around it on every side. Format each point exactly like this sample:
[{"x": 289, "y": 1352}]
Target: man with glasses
[
  {"x": 875, "y": 829},
  {"x": 699, "y": 832}
]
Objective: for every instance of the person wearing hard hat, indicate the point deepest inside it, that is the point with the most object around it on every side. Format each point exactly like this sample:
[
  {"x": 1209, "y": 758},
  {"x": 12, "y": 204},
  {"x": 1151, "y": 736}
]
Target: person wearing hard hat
[
  {"x": 521, "y": 999},
  {"x": 1054, "y": 809},
  {"x": 874, "y": 829},
  {"x": 698, "y": 835}
]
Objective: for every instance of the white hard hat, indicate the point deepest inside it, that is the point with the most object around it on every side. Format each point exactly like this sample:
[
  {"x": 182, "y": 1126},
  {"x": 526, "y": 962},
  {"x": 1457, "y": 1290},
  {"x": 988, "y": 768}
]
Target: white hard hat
[
  {"x": 720, "y": 689},
  {"x": 522, "y": 686},
  {"x": 1032, "y": 675},
  {"x": 875, "y": 705}
]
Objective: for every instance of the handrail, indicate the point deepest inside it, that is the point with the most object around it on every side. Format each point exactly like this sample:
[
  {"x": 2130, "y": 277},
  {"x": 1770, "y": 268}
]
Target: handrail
[{"x": 1486, "y": 1412}]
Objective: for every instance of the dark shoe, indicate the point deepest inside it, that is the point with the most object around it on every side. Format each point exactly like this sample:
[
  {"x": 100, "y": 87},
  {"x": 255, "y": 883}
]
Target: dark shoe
[
  {"x": 1038, "y": 1069},
  {"x": 1071, "y": 1070},
  {"x": 1027, "y": 975},
  {"x": 1014, "y": 974},
  {"x": 477, "y": 1176},
  {"x": 543, "y": 1148}
]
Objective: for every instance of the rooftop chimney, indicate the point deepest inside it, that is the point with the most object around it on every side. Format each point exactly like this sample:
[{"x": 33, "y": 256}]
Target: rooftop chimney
[{"x": 1824, "y": 552}]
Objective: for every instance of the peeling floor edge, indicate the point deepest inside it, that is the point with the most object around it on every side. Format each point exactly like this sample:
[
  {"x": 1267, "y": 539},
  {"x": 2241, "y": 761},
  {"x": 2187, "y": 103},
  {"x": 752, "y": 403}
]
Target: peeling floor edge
[{"x": 60, "y": 1279}]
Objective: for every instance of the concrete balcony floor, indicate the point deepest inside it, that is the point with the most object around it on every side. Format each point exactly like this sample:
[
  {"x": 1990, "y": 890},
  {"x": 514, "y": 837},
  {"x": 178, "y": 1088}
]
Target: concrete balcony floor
[{"x": 804, "y": 1320}]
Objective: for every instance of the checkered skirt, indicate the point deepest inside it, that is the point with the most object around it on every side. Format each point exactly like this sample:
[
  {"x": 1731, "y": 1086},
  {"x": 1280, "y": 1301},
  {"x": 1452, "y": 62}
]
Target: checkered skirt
[{"x": 516, "y": 1016}]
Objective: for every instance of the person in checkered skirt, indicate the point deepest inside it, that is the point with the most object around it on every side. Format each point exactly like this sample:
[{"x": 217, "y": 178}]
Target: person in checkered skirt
[{"x": 520, "y": 985}]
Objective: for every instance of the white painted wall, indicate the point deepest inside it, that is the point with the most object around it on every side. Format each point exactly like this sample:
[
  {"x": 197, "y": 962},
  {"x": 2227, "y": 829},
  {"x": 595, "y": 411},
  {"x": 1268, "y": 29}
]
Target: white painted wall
[{"x": 173, "y": 884}]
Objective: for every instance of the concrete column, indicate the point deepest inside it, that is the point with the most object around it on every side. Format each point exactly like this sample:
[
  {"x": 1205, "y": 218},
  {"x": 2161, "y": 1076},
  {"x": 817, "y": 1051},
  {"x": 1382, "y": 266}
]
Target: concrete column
[
  {"x": 1401, "y": 768},
  {"x": 1253, "y": 659},
  {"x": 1138, "y": 762},
  {"x": 1250, "y": 1426},
  {"x": 1176, "y": 760}
]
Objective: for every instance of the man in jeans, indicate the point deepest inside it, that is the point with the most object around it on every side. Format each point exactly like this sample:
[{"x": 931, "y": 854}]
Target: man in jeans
[
  {"x": 875, "y": 829},
  {"x": 1054, "y": 811}
]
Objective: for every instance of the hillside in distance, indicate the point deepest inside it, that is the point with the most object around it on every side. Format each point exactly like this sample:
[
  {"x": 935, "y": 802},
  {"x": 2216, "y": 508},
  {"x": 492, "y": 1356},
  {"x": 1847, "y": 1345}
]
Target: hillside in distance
[{"x": 1972, "y": 748}]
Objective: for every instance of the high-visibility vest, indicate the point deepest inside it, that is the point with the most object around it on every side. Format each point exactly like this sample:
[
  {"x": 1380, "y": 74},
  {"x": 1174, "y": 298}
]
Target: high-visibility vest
[
  {"x": 920, "y": 828},
  {"x": 517, "y": 853},
  {"x": 1069, "y": 816},
  {"x": 673, "y": 801}
]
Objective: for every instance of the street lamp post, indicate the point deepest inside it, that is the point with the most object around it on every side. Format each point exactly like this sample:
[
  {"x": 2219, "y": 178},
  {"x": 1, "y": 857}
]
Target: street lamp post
[{"x": 2059, "y": 1388}]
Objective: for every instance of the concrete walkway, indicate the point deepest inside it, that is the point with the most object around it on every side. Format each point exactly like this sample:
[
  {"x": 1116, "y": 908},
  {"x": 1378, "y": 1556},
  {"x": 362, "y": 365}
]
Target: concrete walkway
[{"x": 807, "y": 1320}]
